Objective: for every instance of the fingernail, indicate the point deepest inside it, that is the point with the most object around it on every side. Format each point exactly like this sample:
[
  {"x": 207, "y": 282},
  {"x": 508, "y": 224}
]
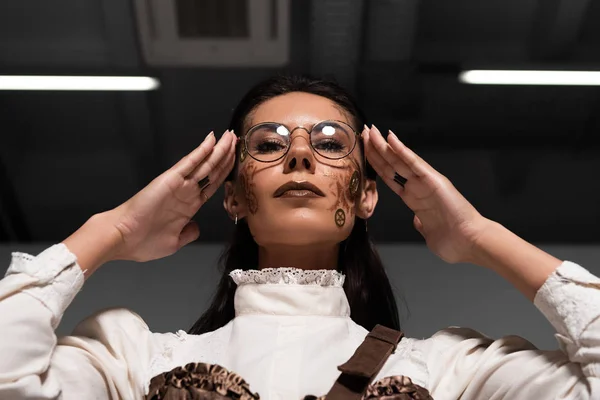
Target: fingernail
[
  {"x": 203, "y": 183},
  {"x": 207, "y": 136},
  {"x": 399, "y": 179},
  {"x": 393, "y": 136},
  {"x": 365, "y": 127}
]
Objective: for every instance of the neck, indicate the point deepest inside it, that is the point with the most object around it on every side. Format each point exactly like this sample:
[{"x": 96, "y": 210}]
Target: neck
[{"x": 303, "y": 257}]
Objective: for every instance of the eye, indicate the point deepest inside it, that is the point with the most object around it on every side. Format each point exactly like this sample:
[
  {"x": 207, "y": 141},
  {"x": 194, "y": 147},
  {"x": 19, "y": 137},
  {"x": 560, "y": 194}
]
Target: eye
[
  {"x": 332, "y": 138},
  {"x": 268, "y": 138},
  {"x": 268, "y": 146},
  {"x": 329, "y": 144}
]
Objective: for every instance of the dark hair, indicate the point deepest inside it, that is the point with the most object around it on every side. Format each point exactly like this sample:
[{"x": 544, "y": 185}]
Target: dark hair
[{"x": 367, "y": 286}]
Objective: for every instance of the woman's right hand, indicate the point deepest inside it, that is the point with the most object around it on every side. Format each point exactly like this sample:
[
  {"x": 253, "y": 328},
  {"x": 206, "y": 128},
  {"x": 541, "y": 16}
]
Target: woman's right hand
[{"x": 156, "y": 222}]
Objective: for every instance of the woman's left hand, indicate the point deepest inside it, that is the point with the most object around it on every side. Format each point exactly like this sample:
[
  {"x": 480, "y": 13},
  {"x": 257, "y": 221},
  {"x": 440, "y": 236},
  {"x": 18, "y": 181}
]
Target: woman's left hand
[{"x": 447, "y": 221}]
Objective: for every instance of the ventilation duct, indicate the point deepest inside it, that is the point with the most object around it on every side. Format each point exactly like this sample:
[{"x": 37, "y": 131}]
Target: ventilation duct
[{"x": 214, "y": 32}]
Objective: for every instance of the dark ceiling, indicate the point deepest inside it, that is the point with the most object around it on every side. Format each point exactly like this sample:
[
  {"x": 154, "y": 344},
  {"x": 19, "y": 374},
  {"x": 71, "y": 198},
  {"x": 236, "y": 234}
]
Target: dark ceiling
[{"x": 528, "y": 157}]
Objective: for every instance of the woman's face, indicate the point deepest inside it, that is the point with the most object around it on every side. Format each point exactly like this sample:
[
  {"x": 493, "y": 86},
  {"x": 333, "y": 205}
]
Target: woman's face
[{"x": 295, "y": 218}]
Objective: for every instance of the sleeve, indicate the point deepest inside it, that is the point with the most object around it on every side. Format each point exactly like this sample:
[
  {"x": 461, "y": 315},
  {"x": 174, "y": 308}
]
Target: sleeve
[
  {"x": 106, "y": 357},
  {"x": 465, "y": 364}
]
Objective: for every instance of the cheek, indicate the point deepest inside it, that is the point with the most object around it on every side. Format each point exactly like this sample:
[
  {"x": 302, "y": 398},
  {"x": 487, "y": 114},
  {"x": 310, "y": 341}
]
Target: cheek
[
  {"x": 343, "y": 187},
  {"x": 247, "y": 186}
]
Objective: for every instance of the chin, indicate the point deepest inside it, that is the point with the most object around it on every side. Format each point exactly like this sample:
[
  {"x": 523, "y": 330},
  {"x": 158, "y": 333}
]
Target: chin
[{"x": 299, "y": 227}]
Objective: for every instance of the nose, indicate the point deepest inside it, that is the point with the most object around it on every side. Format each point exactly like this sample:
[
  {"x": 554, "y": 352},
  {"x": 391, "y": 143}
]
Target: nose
[{"x": 300, "y": 155}]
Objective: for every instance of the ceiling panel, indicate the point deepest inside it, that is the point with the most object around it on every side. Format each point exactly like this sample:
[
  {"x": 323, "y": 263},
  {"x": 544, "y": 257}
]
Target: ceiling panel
[{"x": 524, "y": 156}]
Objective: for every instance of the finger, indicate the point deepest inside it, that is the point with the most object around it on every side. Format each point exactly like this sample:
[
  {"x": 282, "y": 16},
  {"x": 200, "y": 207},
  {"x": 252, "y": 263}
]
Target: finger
[
  {"x": 418, "y": 225},
  {"x": 416, "y": 164},
  {"x": 219, "y": 176},
  {"x": 211, "y": 162},
  {"x": 382, "y": 167},
  {"x": 188, "y": 163},
  {"x": 189, "y": 233},
  {"x": 225, "y": 168},
  {"x": 388, "y": 154}
]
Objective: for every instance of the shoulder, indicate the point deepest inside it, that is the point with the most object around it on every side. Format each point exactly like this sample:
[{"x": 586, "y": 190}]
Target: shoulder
[
  {"x": 407, "y": 360},
  {"x": 424, "y": 359},
  {"x": 122, "y": 321},
  {"x": 122, "y": 330},
  {"x": 180, "y": 348},
  {"x": 463, "y": 339}
]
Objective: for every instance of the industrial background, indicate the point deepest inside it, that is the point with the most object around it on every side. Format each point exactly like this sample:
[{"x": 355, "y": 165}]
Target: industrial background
[{"x": 525, "y": 156}]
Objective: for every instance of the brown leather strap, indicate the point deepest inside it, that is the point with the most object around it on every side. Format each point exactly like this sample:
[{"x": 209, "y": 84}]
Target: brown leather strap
[{"x": 365, "y": 363}]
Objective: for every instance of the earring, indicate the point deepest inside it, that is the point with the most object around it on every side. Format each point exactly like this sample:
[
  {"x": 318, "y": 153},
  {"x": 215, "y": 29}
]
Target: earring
[
  {"x": 366, "y": 230},
  {"x": 236, "y": 218}
]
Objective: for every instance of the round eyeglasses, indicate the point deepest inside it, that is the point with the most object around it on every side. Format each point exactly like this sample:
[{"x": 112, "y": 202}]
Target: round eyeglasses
[{"x": 270, "y": 141}]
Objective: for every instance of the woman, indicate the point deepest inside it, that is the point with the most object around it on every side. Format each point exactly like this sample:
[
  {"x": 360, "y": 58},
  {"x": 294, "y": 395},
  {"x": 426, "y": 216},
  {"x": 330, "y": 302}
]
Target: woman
[{"x": 300, "y": 190}]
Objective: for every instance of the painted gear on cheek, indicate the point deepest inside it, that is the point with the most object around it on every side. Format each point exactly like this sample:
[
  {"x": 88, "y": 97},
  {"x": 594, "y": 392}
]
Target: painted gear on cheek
[{"x": 340, "y": 217}]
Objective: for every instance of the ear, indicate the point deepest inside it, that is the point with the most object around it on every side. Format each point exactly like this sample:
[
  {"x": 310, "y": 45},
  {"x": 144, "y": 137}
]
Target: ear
[
  {"x": 368, "y": 199},
  {"x": 233, "y": 203}
]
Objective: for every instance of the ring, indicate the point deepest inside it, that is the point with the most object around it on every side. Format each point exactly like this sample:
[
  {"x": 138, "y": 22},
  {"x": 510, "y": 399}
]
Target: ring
[
  {"x": 399, "y": 179},
  {"x": 204, "y": 182}
]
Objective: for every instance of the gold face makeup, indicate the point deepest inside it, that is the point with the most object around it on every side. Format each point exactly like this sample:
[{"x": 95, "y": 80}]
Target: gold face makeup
[
  {"x": 243, "y": 151},
  {"x": 345, "y": 187},
  {"x": 246, "y": 179},
  {"x": 299, "y": 216},
  {"x": 340, "y": 218},
  {"x": 354, "y": 184}
]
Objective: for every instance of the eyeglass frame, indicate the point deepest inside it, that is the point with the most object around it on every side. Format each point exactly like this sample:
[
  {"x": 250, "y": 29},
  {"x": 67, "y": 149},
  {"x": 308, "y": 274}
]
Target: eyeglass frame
[{"x": 243, "y": 139}]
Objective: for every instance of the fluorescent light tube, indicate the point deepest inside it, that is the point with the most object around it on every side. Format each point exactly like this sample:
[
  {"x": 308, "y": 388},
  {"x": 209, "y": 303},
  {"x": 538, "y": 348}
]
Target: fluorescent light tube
[
  {"x": 82, "y": 83},
  {"x": 507, "y": 77}
]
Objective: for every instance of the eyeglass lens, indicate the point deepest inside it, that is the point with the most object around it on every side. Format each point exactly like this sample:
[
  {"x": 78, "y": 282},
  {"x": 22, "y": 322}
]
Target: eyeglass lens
[{"x": 330, "y": 139}]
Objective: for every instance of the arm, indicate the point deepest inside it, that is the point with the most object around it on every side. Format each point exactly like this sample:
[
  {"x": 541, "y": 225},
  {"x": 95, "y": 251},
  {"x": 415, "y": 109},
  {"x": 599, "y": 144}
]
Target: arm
[
  {"x": 465, "y": 364},
  {"x": 95, "y": 243},
  {"x": 110, "y": 353},
  {"x": 33, "y": 297},
  {"x": 519, "y": 262}
]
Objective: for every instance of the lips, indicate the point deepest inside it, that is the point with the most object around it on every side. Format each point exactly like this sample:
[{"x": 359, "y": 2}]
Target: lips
[{"x": 293, "y": 185}]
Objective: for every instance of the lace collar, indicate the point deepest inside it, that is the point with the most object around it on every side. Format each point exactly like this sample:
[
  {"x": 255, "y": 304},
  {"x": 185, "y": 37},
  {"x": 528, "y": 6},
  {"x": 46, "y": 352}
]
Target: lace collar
[
  {"x": 290, "y": 292},
  {"x": 288, "y": 276}
]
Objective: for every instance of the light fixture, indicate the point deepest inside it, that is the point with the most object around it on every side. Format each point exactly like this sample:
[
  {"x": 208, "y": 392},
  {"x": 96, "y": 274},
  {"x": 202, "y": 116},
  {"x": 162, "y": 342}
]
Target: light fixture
[
  {"x": 80, "y": 83},
  {"x": 530, "y": 77}
]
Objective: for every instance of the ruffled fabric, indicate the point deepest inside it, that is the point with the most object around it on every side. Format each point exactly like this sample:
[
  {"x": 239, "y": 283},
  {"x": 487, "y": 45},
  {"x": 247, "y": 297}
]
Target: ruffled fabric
[
  {"x": 396, "y": 388},
  {"x": 390, "y": 388},
  {"x": 199, "y": 381},
  {"x": 289, "y": 276}
]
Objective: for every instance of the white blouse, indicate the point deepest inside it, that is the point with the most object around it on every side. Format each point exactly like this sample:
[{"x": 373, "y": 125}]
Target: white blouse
[{"x": 291, "y": 331}]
